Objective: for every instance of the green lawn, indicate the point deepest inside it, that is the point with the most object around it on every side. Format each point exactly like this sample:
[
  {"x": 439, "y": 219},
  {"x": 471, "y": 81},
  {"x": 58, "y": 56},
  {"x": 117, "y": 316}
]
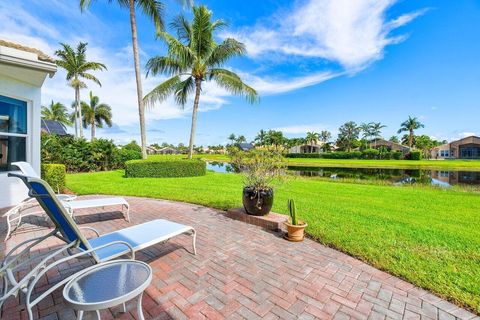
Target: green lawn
[
  {"x": 469, "y": 165},
  {"x": 428, "y": 236}
]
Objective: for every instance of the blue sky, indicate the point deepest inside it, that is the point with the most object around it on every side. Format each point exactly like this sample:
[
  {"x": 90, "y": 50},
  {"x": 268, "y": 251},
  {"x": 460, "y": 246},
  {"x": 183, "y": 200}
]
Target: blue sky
[{"x": 316, "y": 64}]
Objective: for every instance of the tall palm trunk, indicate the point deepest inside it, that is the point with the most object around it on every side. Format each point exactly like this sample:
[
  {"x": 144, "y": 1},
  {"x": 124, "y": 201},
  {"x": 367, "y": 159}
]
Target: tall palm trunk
[
  {"x": 198, "y": 89},
  {"x": 136, "y": 59},
  {"x": 93, "y": 129},
  {"x": 78, "y": 111},
  {"x": 410, "y": 139}
]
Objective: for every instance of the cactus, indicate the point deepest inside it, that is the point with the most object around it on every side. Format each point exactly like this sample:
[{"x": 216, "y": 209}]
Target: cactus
[{"x": 293, "y": 211}]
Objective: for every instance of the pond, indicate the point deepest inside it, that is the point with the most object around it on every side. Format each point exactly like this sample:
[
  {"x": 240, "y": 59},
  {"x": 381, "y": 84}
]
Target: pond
[{"x": 395, "y": 176}]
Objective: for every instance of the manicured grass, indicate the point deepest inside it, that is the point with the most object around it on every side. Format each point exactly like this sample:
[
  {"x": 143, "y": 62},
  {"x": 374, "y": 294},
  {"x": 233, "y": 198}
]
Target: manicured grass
[
  {"x": 468, "y": 165},
  {"x": 428, "y": 236}
]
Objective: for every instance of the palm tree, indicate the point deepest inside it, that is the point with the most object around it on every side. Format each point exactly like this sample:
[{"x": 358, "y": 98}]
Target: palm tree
[
  {"x": 56, "y": 112},
  {"x": 410, "y": 125},
  {"x": 325, "y": 135},
  {"x": 153, "y": 10},
  {"x": 366, "y": 128},
  {"x": 195, "y": 57},
  {"x": 312, "y": 138},
  {"x": 232, "y": 138},
  {"x": 348, "y": 134},
  {"x": 95, "y": 114},
  {"x": 77, "y": 67},
  {"x": 261, "y": 137},
  {"x": 376, "y": 130}
]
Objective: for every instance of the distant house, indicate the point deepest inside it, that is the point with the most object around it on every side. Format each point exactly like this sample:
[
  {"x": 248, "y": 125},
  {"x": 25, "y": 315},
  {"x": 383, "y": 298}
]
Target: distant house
[
  {"x": 392, "y": 146},
  {"x": 167, "y": 150},
  {"x": 151, "y": 150},
  {"x": 245, "y": 146},
  {"x": 466, "y": 148},
  {"x": 53, "y": 127},
  {"x": 307, "y": 148}
]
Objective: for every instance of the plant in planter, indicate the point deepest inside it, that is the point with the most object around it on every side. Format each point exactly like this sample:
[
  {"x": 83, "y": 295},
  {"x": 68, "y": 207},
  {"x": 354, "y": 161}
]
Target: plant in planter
[
  {"x": 259, "y": 168},
  {"x": 295, "y": 228}
]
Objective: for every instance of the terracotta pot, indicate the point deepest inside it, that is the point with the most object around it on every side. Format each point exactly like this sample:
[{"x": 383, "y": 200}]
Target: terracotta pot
[
  {"x": 257, "y": 203},
  {"x": 295, "y": 233}
]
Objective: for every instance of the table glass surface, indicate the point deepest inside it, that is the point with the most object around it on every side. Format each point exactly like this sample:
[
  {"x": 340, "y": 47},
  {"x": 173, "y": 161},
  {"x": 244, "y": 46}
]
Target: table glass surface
[{"x": 108, "y": 282}]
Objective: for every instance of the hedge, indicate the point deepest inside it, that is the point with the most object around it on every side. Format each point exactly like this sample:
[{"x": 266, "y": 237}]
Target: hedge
[
  {"x": 164, "y": 168},
  {"x": 54, "y": 174},
  {"x": 413, "y": 155}
]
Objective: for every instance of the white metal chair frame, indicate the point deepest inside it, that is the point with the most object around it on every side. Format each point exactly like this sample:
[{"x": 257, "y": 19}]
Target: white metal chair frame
[
  {"x": 13, "y": 264},
  {"x": 26, "y": 285}
]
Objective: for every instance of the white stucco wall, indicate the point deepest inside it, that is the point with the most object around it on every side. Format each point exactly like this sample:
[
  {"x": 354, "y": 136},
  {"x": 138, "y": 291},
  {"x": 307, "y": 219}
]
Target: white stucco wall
[{"x": 13, "y": 190}]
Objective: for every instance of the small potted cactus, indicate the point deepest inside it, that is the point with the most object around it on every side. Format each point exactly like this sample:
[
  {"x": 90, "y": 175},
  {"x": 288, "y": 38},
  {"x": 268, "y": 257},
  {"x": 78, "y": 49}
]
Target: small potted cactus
[{"x": 295, "y": 228}]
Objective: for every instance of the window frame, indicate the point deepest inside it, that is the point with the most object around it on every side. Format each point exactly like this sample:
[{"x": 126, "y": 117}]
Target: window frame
[{"x": 27, "y": 136}]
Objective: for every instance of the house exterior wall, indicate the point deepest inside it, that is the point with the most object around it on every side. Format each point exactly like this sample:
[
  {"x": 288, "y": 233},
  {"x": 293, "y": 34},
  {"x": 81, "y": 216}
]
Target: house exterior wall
[
  {"x": 13, "y": 190},
  {"x": 466, "y": 148}
]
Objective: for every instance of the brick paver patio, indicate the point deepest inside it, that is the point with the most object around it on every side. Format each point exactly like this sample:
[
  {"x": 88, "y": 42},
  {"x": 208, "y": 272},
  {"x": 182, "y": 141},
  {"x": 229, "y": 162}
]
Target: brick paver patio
[{"x": 242, "y": 272}]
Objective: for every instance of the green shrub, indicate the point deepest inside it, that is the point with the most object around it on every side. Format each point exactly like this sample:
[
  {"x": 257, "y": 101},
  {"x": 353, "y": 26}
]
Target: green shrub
[
  {"x": 370, "y": 154},
  {"x": 54, "y": 174},
  {"x": 165, "y": 168},
  {"x": 123, "y": 155},
  {"x": 80, "y": 155},
  {"x": 413, "y": 155},
  {"x": 397, "y": 155}
]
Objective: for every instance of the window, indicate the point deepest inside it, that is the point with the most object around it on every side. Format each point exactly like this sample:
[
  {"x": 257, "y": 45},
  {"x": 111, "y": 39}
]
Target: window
[{"x": 13, "y": 132}]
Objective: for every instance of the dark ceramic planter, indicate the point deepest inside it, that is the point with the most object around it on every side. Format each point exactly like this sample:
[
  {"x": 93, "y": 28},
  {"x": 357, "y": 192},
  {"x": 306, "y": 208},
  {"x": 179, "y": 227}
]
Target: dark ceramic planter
[{"x": 257, "y": 203}]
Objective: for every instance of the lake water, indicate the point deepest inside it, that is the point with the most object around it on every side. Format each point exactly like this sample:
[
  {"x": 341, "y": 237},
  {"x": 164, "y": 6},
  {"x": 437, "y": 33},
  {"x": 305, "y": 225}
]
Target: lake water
[{"x": 395, "y": 176}]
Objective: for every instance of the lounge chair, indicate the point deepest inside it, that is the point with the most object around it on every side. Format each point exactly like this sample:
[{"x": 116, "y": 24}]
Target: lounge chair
[
  {"x": 101, "y": 248},
  {"x": 15, "y": 215}
]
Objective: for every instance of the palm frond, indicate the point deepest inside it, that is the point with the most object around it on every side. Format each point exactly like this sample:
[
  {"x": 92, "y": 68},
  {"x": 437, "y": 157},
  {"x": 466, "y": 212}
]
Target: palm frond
[
  {"x": 228, "y": 49},
  {"x": 168, "y": 65},
  {"x": 91, "y": 77},
  {"x": 183, "y": 29},
  {"x": 202, "y": 37},
  {"x": 232, "y": 83},
  {"x": 178, "y": 50},
  {"x": 183, "y": 89},
  {"x": 162, "y": 91},
  {"x": 153, "y": 9}
]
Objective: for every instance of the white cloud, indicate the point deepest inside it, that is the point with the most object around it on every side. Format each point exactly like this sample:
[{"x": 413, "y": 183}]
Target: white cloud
[
  {"x": 350, "y": 33},
  {"x": 268, "y": 86}
]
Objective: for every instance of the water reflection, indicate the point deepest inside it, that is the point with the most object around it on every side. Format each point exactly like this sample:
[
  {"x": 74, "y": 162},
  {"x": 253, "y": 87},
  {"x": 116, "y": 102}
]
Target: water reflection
[{"x": 394, "y": 176}]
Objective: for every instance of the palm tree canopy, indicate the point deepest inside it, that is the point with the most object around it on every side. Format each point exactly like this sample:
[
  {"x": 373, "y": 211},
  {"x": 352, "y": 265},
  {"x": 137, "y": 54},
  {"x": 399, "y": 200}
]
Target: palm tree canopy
[
  {"x": 96, "y": 112},
  {"x": 76, "y": 64},
  {"x": 194, "y": 56},
  {"x": 312, "y": 137},
  {"x": 56, "y": 112},
  {"x": 152, "y": 9},
  {"x": 412, "y": 123}
]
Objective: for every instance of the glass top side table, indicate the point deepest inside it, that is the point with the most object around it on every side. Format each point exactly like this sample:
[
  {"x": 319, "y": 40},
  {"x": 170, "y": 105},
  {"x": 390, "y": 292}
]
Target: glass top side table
[{"x": 107, "y": 285}]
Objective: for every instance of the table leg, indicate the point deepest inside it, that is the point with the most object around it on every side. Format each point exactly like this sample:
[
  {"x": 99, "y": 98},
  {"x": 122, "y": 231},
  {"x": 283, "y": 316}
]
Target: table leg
[
  {"x": 80, "y": 315},
  {"x": 98, "y": 315},
  {"x": 139, "y": 307}
]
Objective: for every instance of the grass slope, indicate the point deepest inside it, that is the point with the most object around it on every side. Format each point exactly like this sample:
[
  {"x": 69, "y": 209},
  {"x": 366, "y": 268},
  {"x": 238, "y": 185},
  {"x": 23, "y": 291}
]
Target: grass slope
[{"x": 430, "y": 237}]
